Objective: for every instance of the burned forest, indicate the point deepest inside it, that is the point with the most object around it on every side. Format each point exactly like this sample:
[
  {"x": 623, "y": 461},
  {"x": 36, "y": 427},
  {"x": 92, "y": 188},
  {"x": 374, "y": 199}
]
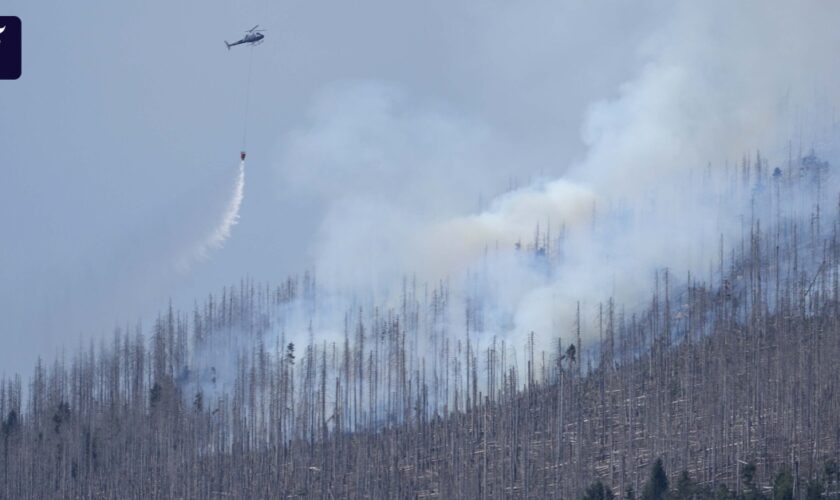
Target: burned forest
[{"x": 727, "y": 375}]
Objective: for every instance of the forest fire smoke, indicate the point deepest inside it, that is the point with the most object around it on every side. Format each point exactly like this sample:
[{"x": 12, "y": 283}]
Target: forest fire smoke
[{"x": 653, "y": 191}]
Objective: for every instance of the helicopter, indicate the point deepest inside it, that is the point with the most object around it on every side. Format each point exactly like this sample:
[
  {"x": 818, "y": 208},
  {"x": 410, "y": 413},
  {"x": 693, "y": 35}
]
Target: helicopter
[{"x": 252, "y": 36}]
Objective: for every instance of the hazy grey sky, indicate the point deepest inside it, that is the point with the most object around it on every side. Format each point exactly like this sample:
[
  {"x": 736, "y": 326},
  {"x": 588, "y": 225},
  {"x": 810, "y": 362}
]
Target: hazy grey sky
[
  {"x": 370, "y": 123},
  {"x": 119, "y": 143}
]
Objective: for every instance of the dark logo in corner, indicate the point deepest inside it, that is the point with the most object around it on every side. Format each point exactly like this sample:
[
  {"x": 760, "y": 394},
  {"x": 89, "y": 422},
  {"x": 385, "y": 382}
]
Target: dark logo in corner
[{"x": 10, "y": 52}]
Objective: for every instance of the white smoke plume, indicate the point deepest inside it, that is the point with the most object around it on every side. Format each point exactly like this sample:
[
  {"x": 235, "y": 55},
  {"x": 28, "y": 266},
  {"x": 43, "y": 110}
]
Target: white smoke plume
[{"x": 719, "y": 81}]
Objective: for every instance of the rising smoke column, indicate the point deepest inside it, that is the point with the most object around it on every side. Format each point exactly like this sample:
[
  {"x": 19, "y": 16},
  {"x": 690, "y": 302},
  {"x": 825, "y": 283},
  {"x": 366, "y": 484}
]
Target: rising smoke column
[{"x": 718, "y": 81}]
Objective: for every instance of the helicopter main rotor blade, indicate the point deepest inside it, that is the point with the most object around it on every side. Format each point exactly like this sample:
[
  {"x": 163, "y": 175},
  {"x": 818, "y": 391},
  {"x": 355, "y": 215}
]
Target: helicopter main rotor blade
[{"x": 255, "y": 27}]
